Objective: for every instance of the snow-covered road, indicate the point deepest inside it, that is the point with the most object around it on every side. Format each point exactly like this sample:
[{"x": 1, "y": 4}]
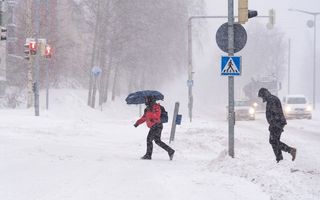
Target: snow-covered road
[{"x": 75, "y": 153}]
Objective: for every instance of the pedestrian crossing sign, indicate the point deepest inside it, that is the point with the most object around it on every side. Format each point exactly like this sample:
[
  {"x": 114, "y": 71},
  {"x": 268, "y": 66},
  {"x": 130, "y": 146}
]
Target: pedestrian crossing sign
[{"x": 230, "y": 65}]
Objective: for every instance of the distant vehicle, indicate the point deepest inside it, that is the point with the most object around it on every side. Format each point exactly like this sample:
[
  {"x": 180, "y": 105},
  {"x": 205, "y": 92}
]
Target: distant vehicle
[
  {"x": 251, "y": 90},
  {"x": 296, "y": 106},
  {"x": 244, "y": 110}
]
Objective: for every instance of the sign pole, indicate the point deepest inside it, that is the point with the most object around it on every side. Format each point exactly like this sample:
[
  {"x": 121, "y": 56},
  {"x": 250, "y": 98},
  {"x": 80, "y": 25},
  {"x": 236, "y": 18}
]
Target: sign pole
[
  {"x": 95, "y": 73},
  {"x": 174, "y": 123},
  {"x": 231, "y": 117}
]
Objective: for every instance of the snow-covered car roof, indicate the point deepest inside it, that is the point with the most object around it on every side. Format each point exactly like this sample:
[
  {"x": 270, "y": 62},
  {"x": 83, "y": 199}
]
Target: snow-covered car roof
[
  {"x": 295, "y": 96},
  {"x": 242, "y": 103}
]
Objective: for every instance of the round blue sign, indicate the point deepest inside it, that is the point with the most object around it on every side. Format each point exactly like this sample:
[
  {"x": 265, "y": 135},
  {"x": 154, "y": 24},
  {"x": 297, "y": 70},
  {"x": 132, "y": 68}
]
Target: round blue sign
[{"x": 96, "y": 71}]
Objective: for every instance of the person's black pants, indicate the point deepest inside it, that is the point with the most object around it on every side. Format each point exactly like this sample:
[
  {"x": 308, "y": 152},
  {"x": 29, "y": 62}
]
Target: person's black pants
[
  {"x": 277, "y": 145},
  {"x": 155, "y": 134}
]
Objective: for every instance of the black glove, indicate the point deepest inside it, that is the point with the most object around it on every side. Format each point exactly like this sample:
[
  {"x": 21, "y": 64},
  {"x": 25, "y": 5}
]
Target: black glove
[{"x": 135, "y": 125}]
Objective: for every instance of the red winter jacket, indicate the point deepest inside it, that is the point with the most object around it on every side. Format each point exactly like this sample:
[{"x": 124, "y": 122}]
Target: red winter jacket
[{"x": 151, "y": 115}]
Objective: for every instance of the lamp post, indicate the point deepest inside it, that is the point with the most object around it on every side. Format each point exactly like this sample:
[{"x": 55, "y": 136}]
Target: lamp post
[
  {"x": 312, "y": 24},
  {"x": 190, "y": 63}
]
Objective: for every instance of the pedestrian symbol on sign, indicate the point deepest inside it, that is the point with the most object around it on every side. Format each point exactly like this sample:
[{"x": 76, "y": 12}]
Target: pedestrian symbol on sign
[{"x": 230, "y": 66}]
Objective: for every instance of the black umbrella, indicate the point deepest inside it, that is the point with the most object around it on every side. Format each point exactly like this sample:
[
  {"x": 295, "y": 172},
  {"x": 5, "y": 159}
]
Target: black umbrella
[{"x": 139, "y": 97}]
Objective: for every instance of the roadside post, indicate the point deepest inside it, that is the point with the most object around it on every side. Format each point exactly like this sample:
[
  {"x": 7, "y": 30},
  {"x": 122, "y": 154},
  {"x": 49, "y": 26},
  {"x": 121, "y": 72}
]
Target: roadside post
[
  {"x": 231, "y": 79},
  {"x": 176, "y": 120},
  {"x": 95, "y": 72}
]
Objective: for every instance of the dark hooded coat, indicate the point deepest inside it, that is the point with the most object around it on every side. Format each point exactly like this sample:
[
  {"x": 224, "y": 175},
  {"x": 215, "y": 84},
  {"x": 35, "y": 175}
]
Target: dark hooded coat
[
  {"x": 274, "y": 112},
  {"x": 277, "y": 121}
]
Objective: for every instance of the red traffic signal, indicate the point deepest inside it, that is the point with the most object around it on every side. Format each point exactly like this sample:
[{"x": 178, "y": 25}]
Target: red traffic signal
[
  {"x": 48, "y": 52},
  {"x": 33, "y": 48}
]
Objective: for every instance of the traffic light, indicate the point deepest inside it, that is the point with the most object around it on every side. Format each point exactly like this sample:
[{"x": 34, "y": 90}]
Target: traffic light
[
  {"x": 26, "y": 51},
  {"x": 48, "y": 51},
  {"x": 272, "y": 18},
  {"x": 3, "y": 33},
  {"x": 252, "y": 13},
  {"x": 34, "y": 86},
  {"x": 243, "y": 13},
  {"x": 33, "y": 48}
]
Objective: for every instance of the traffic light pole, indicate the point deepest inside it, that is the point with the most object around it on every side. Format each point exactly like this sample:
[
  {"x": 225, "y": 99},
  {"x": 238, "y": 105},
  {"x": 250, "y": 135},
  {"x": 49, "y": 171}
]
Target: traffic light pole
[
  {"x": 37, "y": 57},
  {"x": 47, "y": 62},
  {"x": 190, "y": 64},
  {"x": 29, "y": 26}
]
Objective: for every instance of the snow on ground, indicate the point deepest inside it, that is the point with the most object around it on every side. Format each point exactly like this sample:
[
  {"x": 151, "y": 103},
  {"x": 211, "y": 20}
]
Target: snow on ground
[{"x": 73, "y": 152}]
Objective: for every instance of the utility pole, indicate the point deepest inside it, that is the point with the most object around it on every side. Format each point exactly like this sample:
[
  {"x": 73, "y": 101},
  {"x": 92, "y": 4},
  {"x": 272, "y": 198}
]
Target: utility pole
[
  {"x": 30, "y": 61},
  {"x": 231, "y": 120}
]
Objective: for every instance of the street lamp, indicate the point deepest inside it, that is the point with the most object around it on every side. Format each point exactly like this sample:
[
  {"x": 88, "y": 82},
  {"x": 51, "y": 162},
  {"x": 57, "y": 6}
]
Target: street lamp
[
  {"x": 312, "y": 24},
  {"x": 190, "y": 63}
]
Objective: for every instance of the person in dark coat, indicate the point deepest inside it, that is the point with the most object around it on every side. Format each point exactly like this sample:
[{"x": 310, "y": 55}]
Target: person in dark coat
[
  {"x": 152, "y": 118},
  {"x": 277, "y": 121}
]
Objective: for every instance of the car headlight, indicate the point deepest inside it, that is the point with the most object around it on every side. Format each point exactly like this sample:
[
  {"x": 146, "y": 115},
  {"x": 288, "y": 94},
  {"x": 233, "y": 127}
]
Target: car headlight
[
  {"x": 251, "y": 111},
  {"x": 255, "y": 104},
  {"x": 288, "y": 109},
  {"x": 309, "y": 108}
]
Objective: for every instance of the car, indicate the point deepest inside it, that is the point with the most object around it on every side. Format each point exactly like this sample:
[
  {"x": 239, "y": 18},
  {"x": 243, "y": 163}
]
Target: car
[
  {"x": 296, "y": 107},
  {"x": 244, "y": 110}
]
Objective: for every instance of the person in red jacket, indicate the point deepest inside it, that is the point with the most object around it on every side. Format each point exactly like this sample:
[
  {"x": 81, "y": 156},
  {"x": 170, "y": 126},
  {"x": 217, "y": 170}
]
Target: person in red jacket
[{"x": 152, "y": 118}]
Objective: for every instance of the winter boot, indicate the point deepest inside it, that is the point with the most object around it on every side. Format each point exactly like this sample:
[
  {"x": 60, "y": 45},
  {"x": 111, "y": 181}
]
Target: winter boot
[
  {"x": 146, "y": 157},
  {"x": 171, "y": 154},
  {"x": 293, "y": 153},
  {"x": 278, "y": 160}
]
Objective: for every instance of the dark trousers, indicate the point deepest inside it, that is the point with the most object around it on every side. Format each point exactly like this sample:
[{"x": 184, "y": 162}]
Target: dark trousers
[
  {"x": 277, "y": 145},
  {"x": 155, "y": 134}
]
